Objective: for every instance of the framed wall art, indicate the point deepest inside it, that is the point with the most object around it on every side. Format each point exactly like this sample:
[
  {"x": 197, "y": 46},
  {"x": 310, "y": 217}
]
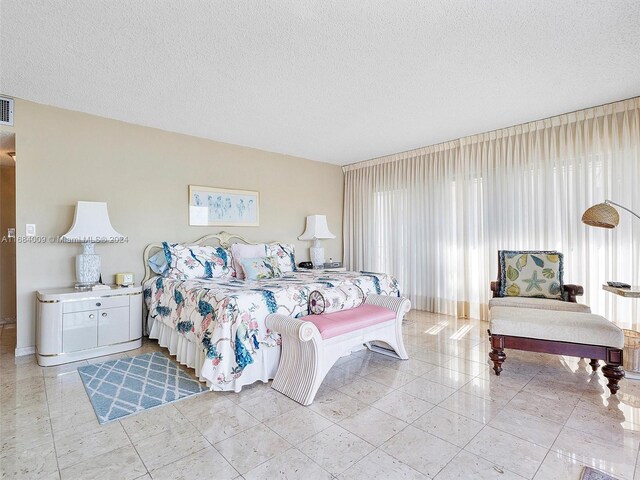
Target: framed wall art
[{"x": 210, "y": 206}]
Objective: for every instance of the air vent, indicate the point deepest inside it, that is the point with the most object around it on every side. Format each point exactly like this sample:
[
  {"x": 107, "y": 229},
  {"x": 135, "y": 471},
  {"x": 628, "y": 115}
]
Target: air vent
[{"x": 6, "y": 111}]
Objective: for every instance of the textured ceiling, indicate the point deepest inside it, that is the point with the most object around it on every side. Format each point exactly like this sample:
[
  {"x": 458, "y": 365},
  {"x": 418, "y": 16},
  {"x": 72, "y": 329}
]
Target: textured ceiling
[{"x": 333, "y": 81}]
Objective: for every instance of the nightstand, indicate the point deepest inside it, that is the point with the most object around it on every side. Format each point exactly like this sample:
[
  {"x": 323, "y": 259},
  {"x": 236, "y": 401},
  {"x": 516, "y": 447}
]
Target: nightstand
[{"x": 75, "y": 325}]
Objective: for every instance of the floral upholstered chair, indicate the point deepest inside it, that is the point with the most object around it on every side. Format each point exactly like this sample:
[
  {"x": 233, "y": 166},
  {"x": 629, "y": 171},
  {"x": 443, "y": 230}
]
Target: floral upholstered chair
[{"x": 534, "y": 279}]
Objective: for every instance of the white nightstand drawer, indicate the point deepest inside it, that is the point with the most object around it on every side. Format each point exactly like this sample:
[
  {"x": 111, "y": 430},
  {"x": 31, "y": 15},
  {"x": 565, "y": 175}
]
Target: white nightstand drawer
[
  {"x": 95, "y": 304},
  {"x": 79, "y": 331},
  {"x": 113, "y": 326}
]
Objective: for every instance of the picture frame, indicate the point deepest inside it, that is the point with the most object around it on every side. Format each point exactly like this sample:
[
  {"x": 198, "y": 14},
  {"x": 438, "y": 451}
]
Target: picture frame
[{"x": 212, "y": 206}]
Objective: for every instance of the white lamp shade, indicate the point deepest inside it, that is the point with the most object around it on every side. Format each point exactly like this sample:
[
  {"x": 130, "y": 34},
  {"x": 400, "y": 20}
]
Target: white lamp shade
[
  {"x": 91, "y": 224},
  {"x": 316, "y": 228}
]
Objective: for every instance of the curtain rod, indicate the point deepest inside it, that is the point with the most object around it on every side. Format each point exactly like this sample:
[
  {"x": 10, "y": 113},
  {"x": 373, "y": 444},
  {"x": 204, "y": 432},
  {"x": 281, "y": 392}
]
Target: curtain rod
[{"x": 532, "y": 122}]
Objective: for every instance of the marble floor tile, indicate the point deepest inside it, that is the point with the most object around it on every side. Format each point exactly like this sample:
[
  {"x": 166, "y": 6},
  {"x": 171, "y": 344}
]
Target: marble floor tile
[
  {"x": 607, "y": 425},
  {"x": 160, "y": 450},
  {"x": 427, "y": 390},
  {"x": 167, "y": 420},
  {"x": 379, "y": 465},
  {"x": 527, "y": 427},
  {"x": 225, "y": 420},
  {"x": 466, "y": 465},
  {"x": 122, "y": 463},
  {"x": 404, "y": 406},
  {"x": 515, "y": 454},
  {"x": 335, "y": 405},
  {"x": 615, "y": 458},
  {"x": 372, "y": 425},
  {"x": 365, "y": 390},
  {"x": 476, "y": 408},
  {"x": 268, "y": 405},
  {"x": 411, "y": 366},
  {"x": 289, "y": 465},
  {"x": 447, "y": 377},
  {"x": 559, "y": 467},
  {"x": 335, "y": 449},
  {"x": 196, "y": 465},
  {"x": 490, "y": 389},
  {"x": 27, "y": 464},
  {"x": 449, "y": 426},
  {"x": 467, "y": 367},
  {"x": 420, "y": 450},
  {"x": 80, "y": 445},
  {"x": 298, "y": 425},
  {"x": 391, "y": 377},
  {"x": 543, "y": 407},
  {"x": 250, "y": 448}
]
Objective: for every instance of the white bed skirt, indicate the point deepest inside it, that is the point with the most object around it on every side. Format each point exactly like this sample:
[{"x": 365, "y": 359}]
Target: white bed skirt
[{"x": 264, "y": 366}]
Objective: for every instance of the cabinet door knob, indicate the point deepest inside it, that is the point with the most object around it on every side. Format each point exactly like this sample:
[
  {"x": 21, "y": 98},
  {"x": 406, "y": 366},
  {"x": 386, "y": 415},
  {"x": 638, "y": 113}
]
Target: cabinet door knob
[
  {"x": 104, "y": 314},
  {"x": 98, "y": 304},
  {"x": 92, "y": 316}
]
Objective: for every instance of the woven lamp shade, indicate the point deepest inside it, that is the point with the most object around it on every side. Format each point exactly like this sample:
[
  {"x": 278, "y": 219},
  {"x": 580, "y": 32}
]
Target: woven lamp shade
[{"x": 601, "y": 215}]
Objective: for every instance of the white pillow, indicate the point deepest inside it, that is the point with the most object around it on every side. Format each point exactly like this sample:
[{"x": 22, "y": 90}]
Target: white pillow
[{"x": 240, "y": 251}]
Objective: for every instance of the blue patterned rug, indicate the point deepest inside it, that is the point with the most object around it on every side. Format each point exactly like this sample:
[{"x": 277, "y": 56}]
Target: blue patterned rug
[{"x": 118, "y": 388}]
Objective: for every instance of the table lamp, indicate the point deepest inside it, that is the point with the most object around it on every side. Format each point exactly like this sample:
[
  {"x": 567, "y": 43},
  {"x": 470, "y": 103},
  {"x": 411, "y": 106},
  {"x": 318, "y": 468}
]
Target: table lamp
[
  {"x": 603, "y": 215},
  {"x": 316, "y": 230},
  {"x": 91, "y": 225}
]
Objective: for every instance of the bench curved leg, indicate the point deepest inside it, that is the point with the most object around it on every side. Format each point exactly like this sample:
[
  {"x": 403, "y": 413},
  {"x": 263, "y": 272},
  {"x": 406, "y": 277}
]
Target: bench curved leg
[
  {"x": 498, "y": 357},
  {"x": 594, "y": 364},
  {"x": 614, "y": 373}
]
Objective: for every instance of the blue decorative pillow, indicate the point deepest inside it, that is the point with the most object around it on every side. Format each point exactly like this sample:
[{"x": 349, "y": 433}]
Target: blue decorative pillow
[
  {"x": 527, "y": 273},
  {"x": 261, "y": 268},
  {"x": 158, "y": 263}
]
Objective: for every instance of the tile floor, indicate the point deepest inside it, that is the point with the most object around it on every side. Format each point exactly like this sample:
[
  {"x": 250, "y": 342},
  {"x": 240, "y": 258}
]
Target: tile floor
[{"x": 441, "y": 415}]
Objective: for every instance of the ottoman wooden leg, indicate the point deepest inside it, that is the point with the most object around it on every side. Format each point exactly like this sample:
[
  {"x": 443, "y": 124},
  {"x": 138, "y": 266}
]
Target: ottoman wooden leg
[
  {"x": 497, "y": 354},
  {"x": 614, "y": 374},
  {"x": 498, "y": 357},
  {"x": 594, "y": 364}
]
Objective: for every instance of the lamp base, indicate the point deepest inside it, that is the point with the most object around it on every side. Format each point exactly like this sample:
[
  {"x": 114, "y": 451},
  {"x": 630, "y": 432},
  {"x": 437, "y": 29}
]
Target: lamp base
[
  {"x": 317, "y": 257},
  {"x": 88, "y": 265}
]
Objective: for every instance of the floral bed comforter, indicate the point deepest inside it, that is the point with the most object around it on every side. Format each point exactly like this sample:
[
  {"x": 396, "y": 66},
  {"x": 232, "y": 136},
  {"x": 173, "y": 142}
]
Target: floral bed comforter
[{"x": 227, "y": 316}]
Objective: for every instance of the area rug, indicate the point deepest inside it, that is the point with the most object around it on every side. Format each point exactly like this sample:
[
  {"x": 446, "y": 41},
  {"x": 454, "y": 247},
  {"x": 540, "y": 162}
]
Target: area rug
[
  {"x": 122, "y": 387},
  {"x": 592, "y": 474}
]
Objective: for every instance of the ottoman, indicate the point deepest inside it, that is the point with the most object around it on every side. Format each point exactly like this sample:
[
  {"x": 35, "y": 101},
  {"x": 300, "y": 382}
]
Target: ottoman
[{"x": 559, "y": 332}]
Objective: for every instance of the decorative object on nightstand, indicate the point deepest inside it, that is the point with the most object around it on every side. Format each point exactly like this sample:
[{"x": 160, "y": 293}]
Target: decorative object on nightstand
[
  {"x": 75, "y": 325},
  {"x": 317, "y": 230},
  {"x": 124, "y": 279},
  {"x": 91, "y": 225}
]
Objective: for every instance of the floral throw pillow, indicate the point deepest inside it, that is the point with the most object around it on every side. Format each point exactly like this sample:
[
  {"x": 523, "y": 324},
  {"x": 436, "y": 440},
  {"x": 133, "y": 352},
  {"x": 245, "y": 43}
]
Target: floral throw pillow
[
  {"x": 285, "y": 252},
  {"x": 531, "y": 274},
  {"x": 196, "y": 261},
  {"x": 261, "y": 268}
]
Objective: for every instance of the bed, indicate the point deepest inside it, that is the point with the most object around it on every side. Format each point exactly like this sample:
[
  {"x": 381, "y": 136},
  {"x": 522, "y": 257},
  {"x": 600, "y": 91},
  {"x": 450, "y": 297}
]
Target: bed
[{"x": 217, "y": 325}]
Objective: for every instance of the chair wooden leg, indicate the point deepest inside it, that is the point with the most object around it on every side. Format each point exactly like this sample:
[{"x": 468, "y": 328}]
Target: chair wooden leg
[
  {"x": 594, "y": 364},
  {"x": 614, "y": 373},
  {"x": 498, "y": 357}
]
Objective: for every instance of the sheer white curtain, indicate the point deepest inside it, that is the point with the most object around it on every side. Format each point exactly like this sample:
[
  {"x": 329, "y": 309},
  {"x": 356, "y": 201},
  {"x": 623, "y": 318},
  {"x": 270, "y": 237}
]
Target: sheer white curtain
[{"x": 436, "y": 217}]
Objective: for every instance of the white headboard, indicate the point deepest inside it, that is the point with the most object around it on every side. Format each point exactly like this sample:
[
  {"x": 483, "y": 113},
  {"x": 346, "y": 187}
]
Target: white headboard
[{"x": 222, "y": 239}]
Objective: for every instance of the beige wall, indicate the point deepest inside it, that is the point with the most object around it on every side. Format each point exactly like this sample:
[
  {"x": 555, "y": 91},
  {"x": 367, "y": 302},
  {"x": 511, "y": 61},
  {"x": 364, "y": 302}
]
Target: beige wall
[
  {"x": 143, "y": 174},
  {"x": 7, "y": 247}
]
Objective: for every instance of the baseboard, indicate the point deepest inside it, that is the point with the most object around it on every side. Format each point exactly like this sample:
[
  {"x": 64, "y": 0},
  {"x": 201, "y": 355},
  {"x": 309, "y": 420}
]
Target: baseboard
[{"x": 21, "y": 352}]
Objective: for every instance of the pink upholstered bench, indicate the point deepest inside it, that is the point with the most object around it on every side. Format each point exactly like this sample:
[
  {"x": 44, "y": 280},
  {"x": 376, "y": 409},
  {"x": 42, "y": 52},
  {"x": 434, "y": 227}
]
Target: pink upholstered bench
[{"x": 311, "y": 345}]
